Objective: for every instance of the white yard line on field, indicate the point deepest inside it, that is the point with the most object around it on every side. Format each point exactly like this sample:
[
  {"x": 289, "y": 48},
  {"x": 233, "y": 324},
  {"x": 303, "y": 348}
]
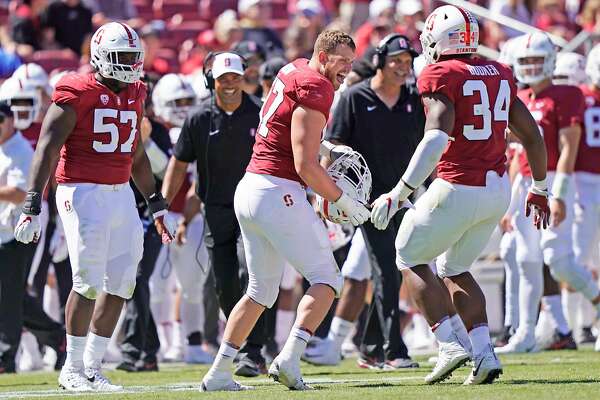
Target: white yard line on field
[{"x": 192, "y": 386}]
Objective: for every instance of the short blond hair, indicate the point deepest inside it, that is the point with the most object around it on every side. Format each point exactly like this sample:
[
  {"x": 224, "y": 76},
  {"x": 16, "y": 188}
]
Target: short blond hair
[{"x": 329, "y": 40}]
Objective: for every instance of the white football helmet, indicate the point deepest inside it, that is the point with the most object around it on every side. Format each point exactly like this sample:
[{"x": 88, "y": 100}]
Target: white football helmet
[
  {"x": 507, "y": 52},
  {"x": 569, "y": 69},
  {"x": 449, "y": 30},
  {"x": 36, "y": 75},
  {"x": 15, "y": 91},
  {"x": 169, "y": 91},
  {"x": 592, "y": 67},
  {"x": 536, "y": 44},
  {"x": 351, "y": 173},
  {"x": 110, "y": 45}
]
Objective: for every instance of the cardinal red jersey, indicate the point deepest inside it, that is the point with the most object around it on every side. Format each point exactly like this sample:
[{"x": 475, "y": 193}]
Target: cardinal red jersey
[
  {"x": 554, "y": 108},
  {"x": 481, "y": 92},
  {"x": 588, "y": 155},
  {"x": 296, "y": 84},
  {"x": 32, "y": 134},
  {"x": 101, "y": 146}
]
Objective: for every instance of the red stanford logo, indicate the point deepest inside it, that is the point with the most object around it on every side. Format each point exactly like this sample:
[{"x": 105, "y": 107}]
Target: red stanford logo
[{"x": 227, "y": 62}]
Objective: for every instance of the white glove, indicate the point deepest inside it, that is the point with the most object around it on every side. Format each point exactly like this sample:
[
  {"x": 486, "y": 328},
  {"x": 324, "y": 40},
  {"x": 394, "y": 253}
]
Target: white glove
[
  {"x": 387, "y": 205},
  {"x": 28, "y": 228},
  {"x": 356, "y": 211},
  {"x": 58, "y": 244}
]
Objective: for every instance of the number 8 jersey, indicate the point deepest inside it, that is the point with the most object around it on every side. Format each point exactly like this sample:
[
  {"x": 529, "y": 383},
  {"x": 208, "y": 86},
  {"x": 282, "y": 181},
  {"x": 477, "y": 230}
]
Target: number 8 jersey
[
  {"x": 481, "y": 92},
  {"x": 296, "y": 84},
  {"x": 101, "y": 146}
]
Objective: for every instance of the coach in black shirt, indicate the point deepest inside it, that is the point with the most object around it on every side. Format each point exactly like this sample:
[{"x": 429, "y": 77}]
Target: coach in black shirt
[
  {"x": 382, "y": 118},
  {"x": 219, "y": 137}
]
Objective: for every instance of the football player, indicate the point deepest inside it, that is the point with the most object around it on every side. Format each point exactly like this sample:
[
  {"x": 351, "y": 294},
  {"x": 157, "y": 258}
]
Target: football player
[
  {"x": 91, "y": 131},
  {"x": 469, "y": 102},
  {"x": 558, "y": 111},
  {"x": 277, "y": 221}
]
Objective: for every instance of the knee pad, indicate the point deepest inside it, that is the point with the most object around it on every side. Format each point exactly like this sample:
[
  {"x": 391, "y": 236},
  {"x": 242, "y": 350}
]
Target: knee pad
[
  {"x": 329, "y": 275},
  {"x": 566, "y": 270},
  {"x": 264, "y": 291}
]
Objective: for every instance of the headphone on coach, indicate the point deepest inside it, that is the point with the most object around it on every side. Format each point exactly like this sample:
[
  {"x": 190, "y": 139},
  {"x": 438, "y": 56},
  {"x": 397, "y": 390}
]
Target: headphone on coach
[
  {"x": 382, "y": 49},
  {"x": 209, "y": 80}
]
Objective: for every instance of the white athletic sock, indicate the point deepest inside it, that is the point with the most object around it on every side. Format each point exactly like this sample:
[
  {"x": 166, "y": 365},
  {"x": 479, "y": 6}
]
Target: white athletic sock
[
  {"x": 480, "y": 338},
  {"x": 588, "y": 313},
  {"x": 296, "y": 344},
  {"x": 531, "y": 287},
  {"x": 75, "y": 349},
  {"x": 94, "y": 350},
  {"x": 571, "y": 303},
  {"x": 224, "y": 359},
  {"x": 461, "y": 332},
  {"x": 192, "y": 317},
  {"x": 443, "y": 330},
  {"x": 511, "y": 270},
  {"x": 285, "y": 321},
  {"x": 338, "y": 331},
  {"x": 553, "y": 304}
]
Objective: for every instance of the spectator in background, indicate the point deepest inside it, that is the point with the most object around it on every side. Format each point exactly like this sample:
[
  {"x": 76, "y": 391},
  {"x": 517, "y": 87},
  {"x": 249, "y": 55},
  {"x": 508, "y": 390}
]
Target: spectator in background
[
  {"x": 551, "y": 17},
  {"x": 306, "y": 25},
  {"x": 409, "y": 13},
  {"x": 154, "y": 66},
  {"x": 254, "y": 16},
  {"x": 381, "y": 23},
  {"x": 109, "y": 10},
  {"x": 589, "y": 17},
  {"x": 498, "y": 34},
  {"x": 267, "y": 73},
  {"x": 354, "y": 13},
  {"x": 69, "y": 22},
  {"x": 254, "y": 54}
]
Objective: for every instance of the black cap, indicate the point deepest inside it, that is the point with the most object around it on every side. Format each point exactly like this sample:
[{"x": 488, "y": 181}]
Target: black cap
[
  {"x": 270, "y": 68},
  {"x": 5, "y": 110},
  {"x": 249, "y": 49},
  {"x": 399, "y": 45}
]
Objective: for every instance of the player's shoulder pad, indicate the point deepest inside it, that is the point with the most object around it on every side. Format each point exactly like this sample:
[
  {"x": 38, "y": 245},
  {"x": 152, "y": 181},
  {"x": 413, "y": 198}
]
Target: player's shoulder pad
[{"x": 73, "y": 81}]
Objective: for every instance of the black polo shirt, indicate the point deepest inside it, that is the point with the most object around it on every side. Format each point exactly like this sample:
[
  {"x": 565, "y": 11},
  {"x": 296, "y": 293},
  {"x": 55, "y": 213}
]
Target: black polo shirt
[
  {"x": 228, "y": 147},
  {"x": 387, "y": 138}
]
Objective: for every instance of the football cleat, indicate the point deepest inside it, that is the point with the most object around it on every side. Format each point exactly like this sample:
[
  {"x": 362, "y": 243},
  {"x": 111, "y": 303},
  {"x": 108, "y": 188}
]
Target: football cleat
[
  {"x": 399, "y": 363},
  {"x": 486, "y": 368},
  {"x": 287, "y": 372},
  {"x": 586, "y": 335},
  {"x": 367, "y": 362},
  {"x": 504, "y": 336},
  {"x": 100, "y": 382},
  {"x": 451, "y": 356},
  {"x": 215, "y": 381},
  {"x": 194, "y": 354},
  {"x": 518, "y": 344},
  {"x": 562, "y": 342},
  {"x": 325, "y": 352},
  {"x": 250, "y": 365},
  {"x": 74, "y": 380}
]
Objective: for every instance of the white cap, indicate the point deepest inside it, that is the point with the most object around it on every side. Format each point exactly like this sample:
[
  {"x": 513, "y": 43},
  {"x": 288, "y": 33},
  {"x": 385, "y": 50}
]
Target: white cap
[
  {"x": 227, "y": 62},
  {"x": 310, "y": 5},
  {"x": 378, "y": 6},
  {"x": 244, "y": 5},
  {"x": 409, "y": 7}
]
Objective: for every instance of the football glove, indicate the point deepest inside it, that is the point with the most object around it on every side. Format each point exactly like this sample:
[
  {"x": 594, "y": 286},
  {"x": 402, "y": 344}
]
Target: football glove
[
  {"x": 537, "y": 200},
  {"x": 165, "y": 224},
  {"x": 354, "y": 210},
  {"x": 28, "y": 227},
  {"x": 388, "y": 204}
]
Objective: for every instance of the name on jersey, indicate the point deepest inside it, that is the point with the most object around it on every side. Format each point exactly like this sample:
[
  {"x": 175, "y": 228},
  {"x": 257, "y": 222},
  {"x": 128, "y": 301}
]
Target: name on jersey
[{"x": 483, "y": 70}]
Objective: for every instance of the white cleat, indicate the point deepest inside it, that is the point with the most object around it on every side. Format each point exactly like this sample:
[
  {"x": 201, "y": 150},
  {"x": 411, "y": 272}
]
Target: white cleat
[
  {"x": 99, "y": 382},
  {"x": 215, "y": 381},
  {"x": 518, "y": 344},
  {"x": 324, "y": 352},
  {"x": 196, "y": 355},
  {"x": 597, "y": 345},
  {"x": 174, "y": 354},
  {"x": 287, "y": 372},
  {"x": 74, "y": 380},
  {"x": 451, "y": 356},
  {"x": 486, "y": 368}
]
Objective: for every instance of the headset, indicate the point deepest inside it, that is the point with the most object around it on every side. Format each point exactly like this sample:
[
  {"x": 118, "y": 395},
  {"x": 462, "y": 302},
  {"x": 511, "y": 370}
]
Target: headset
[
  {"x": 209, "y": 80},
  {"x": 382, "y": 49}
]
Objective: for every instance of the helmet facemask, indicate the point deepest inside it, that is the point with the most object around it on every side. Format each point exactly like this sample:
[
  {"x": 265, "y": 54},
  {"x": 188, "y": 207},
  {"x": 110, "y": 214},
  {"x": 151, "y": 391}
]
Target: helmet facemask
[
  {"x": 124, "y": 65},
  {"x": 25, "y": 111}
]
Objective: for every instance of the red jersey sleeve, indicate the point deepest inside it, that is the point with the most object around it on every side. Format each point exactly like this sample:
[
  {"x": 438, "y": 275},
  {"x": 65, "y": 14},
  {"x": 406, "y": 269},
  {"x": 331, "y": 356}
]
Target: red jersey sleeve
[
  {"x": 436, "y": 78},
  {"x": 570, "y": 109},
  {"x": 142, "y": 91},
  {"x": 68, "y": 90},
  {"x": 315, "y": 93}
]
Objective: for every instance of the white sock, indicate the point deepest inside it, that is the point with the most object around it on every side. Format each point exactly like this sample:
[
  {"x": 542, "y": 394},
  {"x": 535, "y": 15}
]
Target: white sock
[
  {"x": 443, "y": 330},
  {"x": 571, "y": 302},
  {"x": 531, "y": 287},
  {"x": 94, "y": 350},
  {"x": 338, "y": 331},
  {"x": 553, "y": 304},
  {"x": 285, "y": 321},
  {"x": 480, "y": 338},
  {"x": 461, "y": 332},
  {"x": 296, "y": 344},
  {"x": 588, "y": 313},
  {"x": 75, "y": 349},
  {"x": 224, "y": 359},
  {"x": 511, "y": 270}
]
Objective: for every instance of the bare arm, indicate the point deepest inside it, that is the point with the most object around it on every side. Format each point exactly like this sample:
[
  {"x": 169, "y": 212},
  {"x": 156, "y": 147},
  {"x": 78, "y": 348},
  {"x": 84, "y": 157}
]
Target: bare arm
[
  {"x": 524, "y": 127},
  {"x": 568, "y": 142},
  {"x": 173, "y": 178},
  {"x": 307, "y": 125},
  {"x": 12, "y": 194}
]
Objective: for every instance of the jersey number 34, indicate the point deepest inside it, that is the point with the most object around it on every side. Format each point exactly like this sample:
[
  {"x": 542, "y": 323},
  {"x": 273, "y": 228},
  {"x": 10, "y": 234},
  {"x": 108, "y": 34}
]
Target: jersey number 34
[{"x": 499, "y": 113}]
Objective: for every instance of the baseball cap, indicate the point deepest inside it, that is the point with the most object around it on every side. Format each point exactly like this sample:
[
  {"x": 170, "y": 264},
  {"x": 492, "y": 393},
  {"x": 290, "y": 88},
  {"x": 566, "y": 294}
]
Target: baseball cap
[
  {"x": 400, "y": 45},
  {"x": 409, "y": 7},
  {"x": 244, "y": 5},
  {"x": 227, "y": 62},
  {"x": 248, "y": 49},
  {"x": 309, "y": 7},
  {"x": 376, "y": 7},
  {"x": 270, "y": 68}
]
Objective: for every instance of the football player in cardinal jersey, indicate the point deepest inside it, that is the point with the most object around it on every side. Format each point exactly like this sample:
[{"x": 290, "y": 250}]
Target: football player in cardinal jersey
[
  {"x": 91, "y": 131},
  {"x": 277, "y": 221},
  {"x": 469, "y": 102},
  {"x": 558, "y": 111}
]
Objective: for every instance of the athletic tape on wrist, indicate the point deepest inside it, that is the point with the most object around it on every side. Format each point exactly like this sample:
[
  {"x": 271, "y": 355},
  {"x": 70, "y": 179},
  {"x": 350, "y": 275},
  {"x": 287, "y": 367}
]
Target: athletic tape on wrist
[{"x": 560, "y": 185}]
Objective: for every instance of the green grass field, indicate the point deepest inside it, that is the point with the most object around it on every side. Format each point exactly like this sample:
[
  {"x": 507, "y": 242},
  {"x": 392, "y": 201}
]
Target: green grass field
[{"x": 573, "y": 375}]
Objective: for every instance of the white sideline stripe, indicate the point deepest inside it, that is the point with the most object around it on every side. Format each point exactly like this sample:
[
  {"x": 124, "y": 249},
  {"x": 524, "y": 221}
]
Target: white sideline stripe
[{"x": 192, "y": 386}]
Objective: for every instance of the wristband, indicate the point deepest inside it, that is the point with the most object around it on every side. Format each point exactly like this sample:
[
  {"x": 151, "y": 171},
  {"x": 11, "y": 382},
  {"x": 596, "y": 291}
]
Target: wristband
[
  {"x": 33, "y": 203},
  {"x": 157, "y": 205},
  {"x": 560, "y": 185},
  {"x": 539, "y": 188}
]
